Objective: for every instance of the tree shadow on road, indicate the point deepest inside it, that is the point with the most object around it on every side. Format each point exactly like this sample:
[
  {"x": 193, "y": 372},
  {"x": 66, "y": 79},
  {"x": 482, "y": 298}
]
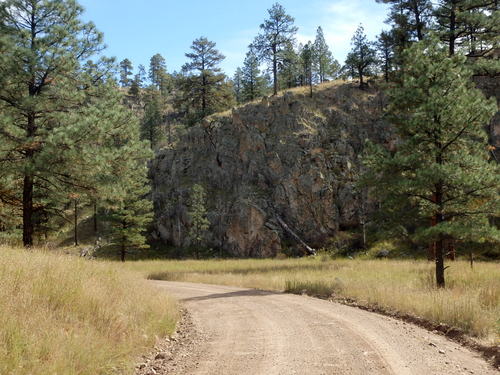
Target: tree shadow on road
[{"x": 239, "y": 293}]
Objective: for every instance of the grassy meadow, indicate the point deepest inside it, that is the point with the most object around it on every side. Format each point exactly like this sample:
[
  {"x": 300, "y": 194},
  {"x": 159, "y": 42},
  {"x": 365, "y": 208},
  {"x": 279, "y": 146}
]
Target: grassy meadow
[
  {"x": 470, "y": 302},
  {"x": 60, "y": 314},
  {"x": 64, "y": 315}
]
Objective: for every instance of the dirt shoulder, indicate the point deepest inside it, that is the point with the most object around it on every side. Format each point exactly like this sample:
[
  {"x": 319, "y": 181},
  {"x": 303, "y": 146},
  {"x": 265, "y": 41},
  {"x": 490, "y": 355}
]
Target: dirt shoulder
[{"x": 175, "y": 354}]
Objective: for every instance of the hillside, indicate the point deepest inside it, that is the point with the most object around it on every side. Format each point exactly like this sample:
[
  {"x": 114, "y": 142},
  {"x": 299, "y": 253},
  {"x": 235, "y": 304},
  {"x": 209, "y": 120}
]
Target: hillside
[{"x": 276, "y": 171}]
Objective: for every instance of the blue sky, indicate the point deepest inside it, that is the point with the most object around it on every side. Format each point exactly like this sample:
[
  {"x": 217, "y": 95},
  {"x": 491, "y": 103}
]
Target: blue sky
[{"x": 139, "y": 29}]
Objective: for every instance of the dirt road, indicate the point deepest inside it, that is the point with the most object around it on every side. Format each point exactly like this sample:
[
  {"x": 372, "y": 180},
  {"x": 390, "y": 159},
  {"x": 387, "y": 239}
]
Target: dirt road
[{"x": 254, "y": 332}]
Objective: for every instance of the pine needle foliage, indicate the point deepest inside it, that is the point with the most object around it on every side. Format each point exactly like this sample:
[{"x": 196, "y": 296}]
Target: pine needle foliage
[
  {"x": 63, "y": 125},
  {"x": 441, "y": 166}
]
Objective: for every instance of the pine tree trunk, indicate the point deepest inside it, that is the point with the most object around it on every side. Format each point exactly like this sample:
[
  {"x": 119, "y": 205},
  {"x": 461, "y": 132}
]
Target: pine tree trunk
[
  {"x": 76, "y": 222},
  {"x": 386, "y": 67},
  {"x": 418, "y": 23},
  {"x": 122, "y": 250},
  {"x": 204, "y": 94},
  {"x": 310, "y": 84},
  {"x": 28, "y": 228},
  {"x": 122, "y": 253},
  {"x": 95, "y": 218},
  {"x": 169, "y": 133},
  {"x": 275, "y": 71},
  {"x": 452, "y": 31},
  {"x": 440, "y": 264},
  {"x": 151, "y": 134},
  {"x": 440, "y": 281}
]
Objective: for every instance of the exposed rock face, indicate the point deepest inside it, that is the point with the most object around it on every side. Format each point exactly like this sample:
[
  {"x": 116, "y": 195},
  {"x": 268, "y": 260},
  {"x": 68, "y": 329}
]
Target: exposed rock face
[{"x": 288, "y": 159}]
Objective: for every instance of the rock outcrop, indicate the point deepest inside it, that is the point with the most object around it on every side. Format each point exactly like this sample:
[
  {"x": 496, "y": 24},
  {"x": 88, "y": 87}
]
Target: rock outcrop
[{"x": 278, "y": 173}]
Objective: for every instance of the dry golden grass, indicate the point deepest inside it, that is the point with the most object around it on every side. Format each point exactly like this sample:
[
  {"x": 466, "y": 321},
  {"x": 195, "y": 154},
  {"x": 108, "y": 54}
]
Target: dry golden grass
[
  {"x": 301, "y": 91},
  {"x": 63, "y": 315},
  {"x": 471, "y": 301}
]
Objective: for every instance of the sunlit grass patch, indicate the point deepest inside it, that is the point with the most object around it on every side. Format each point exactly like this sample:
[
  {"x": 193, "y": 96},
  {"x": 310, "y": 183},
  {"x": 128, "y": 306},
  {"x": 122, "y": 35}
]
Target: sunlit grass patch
[{"x": 64, "y": 315}]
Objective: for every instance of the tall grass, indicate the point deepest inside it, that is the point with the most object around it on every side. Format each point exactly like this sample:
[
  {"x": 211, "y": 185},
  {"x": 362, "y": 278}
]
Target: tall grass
[
  {"x": 470, "y": 302},
  {"x": 63, "y": 315}
]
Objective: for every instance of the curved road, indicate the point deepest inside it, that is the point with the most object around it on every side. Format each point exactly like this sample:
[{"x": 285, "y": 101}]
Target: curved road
[{"x": 255, "y": 332}]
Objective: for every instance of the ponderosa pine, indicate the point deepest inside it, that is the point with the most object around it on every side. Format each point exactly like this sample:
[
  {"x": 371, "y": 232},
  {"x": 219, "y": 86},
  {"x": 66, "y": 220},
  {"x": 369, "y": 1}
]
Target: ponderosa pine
[
  {"x": 60, "y": 114},
  {"x": 126, "y": 71},
  {"x": 277, "y": 32},
  {"x": 362, "y": 56},
  {"x": 203, "y": 85},
  {"x": 441, "y": 166},
  {"x": 323, "y": 61},
  {"x": 254, "y": 85},
  {"x": 238, "y": 85}
]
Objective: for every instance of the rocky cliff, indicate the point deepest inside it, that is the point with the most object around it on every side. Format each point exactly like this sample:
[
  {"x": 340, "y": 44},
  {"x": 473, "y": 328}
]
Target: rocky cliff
[{"x": 278, "y": 172}]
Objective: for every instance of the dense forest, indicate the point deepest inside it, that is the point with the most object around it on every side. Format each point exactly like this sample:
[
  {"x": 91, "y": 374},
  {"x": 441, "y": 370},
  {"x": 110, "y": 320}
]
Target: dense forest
[{"x": 79, "y": 133}]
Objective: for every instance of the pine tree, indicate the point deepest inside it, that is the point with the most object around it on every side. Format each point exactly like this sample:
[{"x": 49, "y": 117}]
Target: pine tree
[
  {"x": 385, "y": 49},
  {"x": 323, "y": 59},
  {"x": 135, "y": 87},
  {"x": 198, "y": 215},
  {"x": 289, "y": 69},
  {"x": 126, "y": 70},
  {"x": 141, "y": 75},
  {"x": 254, "y": 85},
  {"x": 307, "y": 60},
  {"x": 410, "y": 16},
  {"x": 57, "y": 111},
  {"x": 362, "y": 56},
  {"x": 277, "y": 33},
  {"x": 238, "y": 85},
  {"x": 440, "y": 167},
  {"x": 204, "y": 86},
  {"x": 158, "y": 71},
  {"x": 469, "y": 25},
  {"x": 131, "y": 214},
  {"x": 153, "y": 117}
]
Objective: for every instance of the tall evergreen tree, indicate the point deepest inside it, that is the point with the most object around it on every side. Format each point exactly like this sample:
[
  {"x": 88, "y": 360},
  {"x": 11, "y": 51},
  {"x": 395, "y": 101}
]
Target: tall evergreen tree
[
  {"x": 277, "y": 32},
  {"x": 289, "y": 69},
  {"x": 141, "y": 75},
  {"x": 238, "y": 85},
  {"x": 410, "y": 16},
  {"x": 204, "y": 86},
  {"x": 135, "y": 87},
  {"x": 471, "y": 25},
  {"x": 440, "y": 167},
  {"x": 126, "y": 71},
  {"x": 362, "y": 56},
  {"x": 385, "y": 50},
  {"x": 253, "y": 84},
  {"x": 153, "y": 117},
  {"x": 198, "y": 215},
  {"x": 307, "y": 61},
  {"x": 323, "y": 59},
  {"x": 132, "y": 213},
  {"x": 54, "y": 108},
  {"x": 158, "y": 71}
]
